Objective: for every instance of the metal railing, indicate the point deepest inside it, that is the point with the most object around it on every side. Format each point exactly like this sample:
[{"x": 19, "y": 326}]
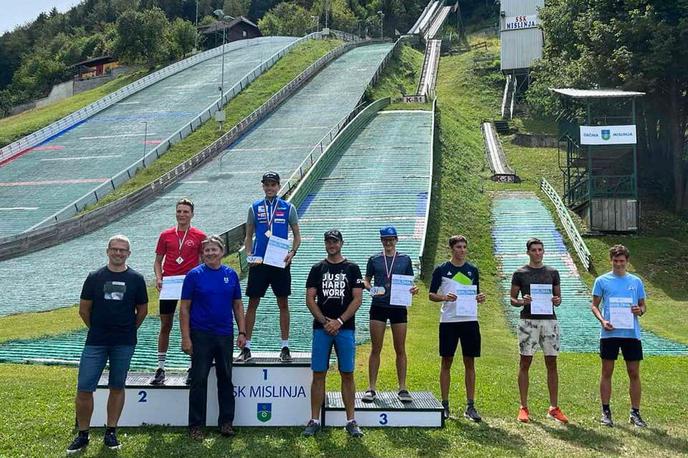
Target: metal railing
[
  {"x": 569, "y": 226},
  {"x": 427, "y": 205},
  {"x": 121, "y": 177},
  {"x": 71, "y": 228},
  {"x": 35, "y": 138}
]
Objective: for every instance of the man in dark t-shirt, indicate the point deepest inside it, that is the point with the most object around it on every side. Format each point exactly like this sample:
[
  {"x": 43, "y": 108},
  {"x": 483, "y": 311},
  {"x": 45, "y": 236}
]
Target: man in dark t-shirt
[
  {"x": 540, "y": 289},
  {"x": 333, "y": 294},
  {"x": 457, "y": 327},
  {"x": 114, "y": 302}
]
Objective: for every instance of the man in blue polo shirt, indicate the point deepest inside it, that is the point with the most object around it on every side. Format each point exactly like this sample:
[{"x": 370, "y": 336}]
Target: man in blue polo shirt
[
  {"x": 378, "y": 281},
  {"x": 618, "y": 299},
  {"x": 269, "y": 217},
  {"x": 211, "y": 299}
]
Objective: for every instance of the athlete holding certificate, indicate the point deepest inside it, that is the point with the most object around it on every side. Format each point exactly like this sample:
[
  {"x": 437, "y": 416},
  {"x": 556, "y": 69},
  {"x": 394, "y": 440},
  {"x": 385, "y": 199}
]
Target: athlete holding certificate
[
  {"x": 387, "y": 270},
  {"x": 178, "y": 251},
  {"x": 270, "y": 218},
  {"x": 540, "y": 289},
  {"x": 456, "y": 284},
  {"x": 618, "y": 299}
]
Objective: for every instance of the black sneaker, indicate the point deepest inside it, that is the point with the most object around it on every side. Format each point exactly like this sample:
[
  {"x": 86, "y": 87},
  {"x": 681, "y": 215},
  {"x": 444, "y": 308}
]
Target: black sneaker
[
  {"x": 369, "y": 396},
  {"x": 353, "y": 429},
  {"x": 445, "y": 410},
  {"x": 606, "y": 418},
  {"x": 636, "y": 420},
  {"x": 404, "y": 396},
  {"x": 159, "y": 377},
  {"x": 311, "y": 429},
  {"x": 188, "y": 377},
  {"x": 78, "y": 444},
  {"x": 244, "y": 355},
  {"x": 110, "y": 440},
  {"x": 472, "y": 414},
  {"x": 284, "y": 355}
]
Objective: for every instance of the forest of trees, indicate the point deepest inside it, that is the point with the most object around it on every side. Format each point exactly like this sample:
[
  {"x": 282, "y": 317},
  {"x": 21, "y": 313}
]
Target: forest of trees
[
  {"x": 37, "y": 55},
  {"x": 630, "y": 44}
]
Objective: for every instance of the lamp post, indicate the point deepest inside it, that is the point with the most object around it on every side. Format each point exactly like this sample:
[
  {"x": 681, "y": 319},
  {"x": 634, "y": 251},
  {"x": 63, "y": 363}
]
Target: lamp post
[
  {"x": 221, "y": 17},
  {"x": 145, "y": 140},
  {"x": 382, "y": 24},
  {"x": 196, "y": 42},
  {"x": 327, "y": 8}
]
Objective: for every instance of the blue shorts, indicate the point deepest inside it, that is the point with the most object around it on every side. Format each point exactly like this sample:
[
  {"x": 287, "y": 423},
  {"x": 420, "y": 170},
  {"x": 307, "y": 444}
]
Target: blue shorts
[
  {"x": 344, "y": 344},
  {"x": 92, "y": 363}
]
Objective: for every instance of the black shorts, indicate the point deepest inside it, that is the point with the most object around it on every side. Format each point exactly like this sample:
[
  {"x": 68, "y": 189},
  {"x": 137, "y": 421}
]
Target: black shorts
[
  {"x": 395, "y": 315},
  {"x": 261, "y": 276},
  {"x": 632, "y": 349},
  {"x": 167, "y": 306},
  {"x": 469, "y": 334}
]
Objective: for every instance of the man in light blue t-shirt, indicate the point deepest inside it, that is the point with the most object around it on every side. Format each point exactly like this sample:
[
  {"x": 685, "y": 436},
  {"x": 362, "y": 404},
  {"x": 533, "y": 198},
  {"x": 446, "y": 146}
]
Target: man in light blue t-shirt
[{"x": 618, "y": 299}]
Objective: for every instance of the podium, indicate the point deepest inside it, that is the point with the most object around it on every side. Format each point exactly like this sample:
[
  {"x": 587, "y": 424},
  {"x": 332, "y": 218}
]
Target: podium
[
  {"x": 387, "y": 411},
  {"x": 267, "y": 393}
]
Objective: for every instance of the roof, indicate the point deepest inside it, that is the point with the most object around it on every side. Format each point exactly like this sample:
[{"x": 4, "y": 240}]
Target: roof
[
  {"x": 219, "y": 25},
  {"x": 96, "y": 61},
  {"x": 596, "y": 93}
]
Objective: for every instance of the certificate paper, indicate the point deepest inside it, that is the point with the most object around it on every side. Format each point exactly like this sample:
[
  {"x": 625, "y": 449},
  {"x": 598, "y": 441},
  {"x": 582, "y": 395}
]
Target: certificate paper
[
  {"x": 172, "y": 287},
  {"x": 466, "y": 303},
  {"x": 276, "y": 251},
  {"x": 620, "y": 313},
  {"x": 400, "y": 293},
  {"x": 541, "y": 299}
]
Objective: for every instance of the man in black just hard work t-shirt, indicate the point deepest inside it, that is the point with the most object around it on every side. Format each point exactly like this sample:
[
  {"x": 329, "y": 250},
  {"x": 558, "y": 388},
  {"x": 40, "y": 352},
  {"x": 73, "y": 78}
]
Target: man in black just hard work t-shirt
[
  {"x": 333, "y": 294},
  {"x": 113, "y": 304}
]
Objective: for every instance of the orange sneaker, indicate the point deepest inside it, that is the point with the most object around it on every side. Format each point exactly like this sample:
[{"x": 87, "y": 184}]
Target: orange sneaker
[
  {"x": 523, "y": 415},
  {"x": 555, "y": 413}
]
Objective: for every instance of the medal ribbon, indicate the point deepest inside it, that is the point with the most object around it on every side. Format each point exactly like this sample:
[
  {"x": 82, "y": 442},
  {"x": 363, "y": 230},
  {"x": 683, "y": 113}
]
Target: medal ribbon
[
  {"x": 271, "y": 216},
  {"x": 388, "y": 269},
  {"x": 181, "y": 241}
]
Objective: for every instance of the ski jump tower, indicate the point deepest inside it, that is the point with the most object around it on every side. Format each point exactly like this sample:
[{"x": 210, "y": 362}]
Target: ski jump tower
[
  {"x": 598, "y": 129},
  {"x": 521, "y": 43}
]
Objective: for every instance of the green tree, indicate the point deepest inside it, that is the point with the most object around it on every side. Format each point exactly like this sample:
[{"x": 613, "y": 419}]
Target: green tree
[
  {"x": 236, "y": 8},
  {"x": 286, "y": 19},
  {"x": 631, "y": 44},
  {"x": 142, "y": 36},
  {"x": 182, "y": 37}
]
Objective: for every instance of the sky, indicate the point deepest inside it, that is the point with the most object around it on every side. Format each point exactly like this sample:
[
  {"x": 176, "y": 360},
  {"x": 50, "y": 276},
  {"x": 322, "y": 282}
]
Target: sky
[{"x": 18, "y": 12}]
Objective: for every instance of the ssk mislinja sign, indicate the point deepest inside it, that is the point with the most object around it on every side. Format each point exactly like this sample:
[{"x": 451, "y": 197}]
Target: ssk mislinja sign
[{"x": 521, "y": 22}]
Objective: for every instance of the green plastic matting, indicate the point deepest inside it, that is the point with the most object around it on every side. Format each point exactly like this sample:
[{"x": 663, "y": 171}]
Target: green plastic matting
[
  {"x": 379, "y": 177},
  {"x": 222, "y": 189},
  {"x": 517, "y": 216},
  {"x": 59, "y": 171}
]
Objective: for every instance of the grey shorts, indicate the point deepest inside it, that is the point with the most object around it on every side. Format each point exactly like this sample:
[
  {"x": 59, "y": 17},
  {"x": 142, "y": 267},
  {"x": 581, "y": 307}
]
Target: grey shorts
[{"x": 538, "y": 333}]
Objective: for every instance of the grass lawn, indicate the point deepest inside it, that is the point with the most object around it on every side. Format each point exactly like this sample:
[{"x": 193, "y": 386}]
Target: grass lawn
[
  {"x": 13, "y": 128},
  {"x": 37, "y": 400}
]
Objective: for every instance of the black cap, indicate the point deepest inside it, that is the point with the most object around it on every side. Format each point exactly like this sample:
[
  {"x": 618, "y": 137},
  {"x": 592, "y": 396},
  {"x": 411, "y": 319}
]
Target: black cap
[
  {"x": 334, "y": 234},
  {"x": 270, "y": 176}
]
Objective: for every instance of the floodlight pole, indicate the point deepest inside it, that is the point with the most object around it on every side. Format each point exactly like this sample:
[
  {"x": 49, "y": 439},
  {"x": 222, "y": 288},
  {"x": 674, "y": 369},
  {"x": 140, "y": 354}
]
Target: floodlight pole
[
  {"x": 196, "y": 37},
  {"x": 382, "y": 24}
]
